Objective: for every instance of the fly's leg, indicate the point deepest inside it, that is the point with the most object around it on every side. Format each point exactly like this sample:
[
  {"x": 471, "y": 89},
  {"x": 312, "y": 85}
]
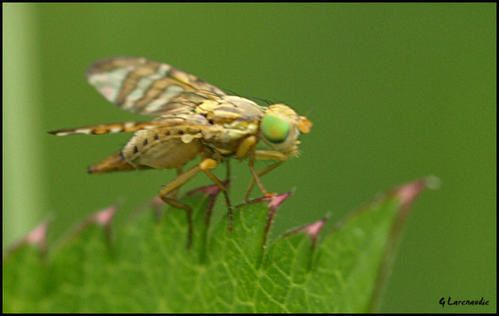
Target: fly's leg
[
  {"x": 174, "y": 193},
  {"x": 227, "y": 172},
  {"x": 222, "y": 186},
  {"x": 260, "y": 173},
  {"x": 262, "y": 155},
  {"x": 270, "y": 155},
  {"x": 166, "y": 192},
  {"x": 256, "y": 178},
  {"x": 188, "y": 210},
  {"x": 247, "y": 148},
  {"x": 227, "y": 195}
]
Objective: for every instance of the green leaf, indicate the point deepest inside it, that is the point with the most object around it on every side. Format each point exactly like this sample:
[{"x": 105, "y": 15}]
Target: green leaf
[{"x": 146, "y": 267}]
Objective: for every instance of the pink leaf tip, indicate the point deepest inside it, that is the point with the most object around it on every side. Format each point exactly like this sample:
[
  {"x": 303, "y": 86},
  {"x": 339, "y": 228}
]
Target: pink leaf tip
[
  {"x": 314, "y": 229},
  {"x": 105, "y": 216},
  {"x": 38, "y": 236},
  {"x": 276, "y": 200},
  {"x": 157, "y": 203},
  {"x": 407, "y": 193}
]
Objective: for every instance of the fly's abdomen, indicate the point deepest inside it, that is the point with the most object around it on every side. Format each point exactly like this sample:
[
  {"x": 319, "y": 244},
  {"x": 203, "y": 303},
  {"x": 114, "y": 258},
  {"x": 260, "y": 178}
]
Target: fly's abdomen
[
  {"x": 163, "y": 147},
  {"x": 113, "y": 163}
]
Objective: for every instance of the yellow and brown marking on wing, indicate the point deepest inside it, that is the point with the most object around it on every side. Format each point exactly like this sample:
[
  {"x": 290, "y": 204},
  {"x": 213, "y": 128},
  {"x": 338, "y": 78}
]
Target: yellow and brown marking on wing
[
  {"x": 147, "y": 87},
  {"x": 101, "y": 129}
]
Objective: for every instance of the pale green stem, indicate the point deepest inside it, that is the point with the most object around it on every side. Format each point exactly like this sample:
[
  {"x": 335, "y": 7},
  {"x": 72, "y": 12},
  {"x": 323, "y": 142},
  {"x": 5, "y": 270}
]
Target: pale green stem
[{"x": 23, "y": 198}]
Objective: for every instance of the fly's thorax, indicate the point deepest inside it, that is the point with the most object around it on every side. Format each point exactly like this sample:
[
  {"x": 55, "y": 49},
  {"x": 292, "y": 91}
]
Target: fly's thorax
[
  {"x": 226, "y": 138},
  {"x": 281, "y": 127},
  {"x": 230, "y": 119},
  {"x": 229, "y": 109}
]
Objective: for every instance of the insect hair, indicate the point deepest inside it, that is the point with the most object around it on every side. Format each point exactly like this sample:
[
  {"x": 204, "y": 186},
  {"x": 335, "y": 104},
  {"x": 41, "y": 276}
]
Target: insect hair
[{"x": 259, "y": 100}]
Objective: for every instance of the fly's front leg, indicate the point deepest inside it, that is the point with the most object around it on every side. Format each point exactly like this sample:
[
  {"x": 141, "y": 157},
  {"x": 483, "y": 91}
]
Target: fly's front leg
[
  {"x": 256, "y": 178},
  {"x": 247, "y": 149},
  {"x": 260, "y": 173},
  {"x": 270, "y": 155},
  {"x": 169, "y": 189},
  {"x": 262, "y": 155}
]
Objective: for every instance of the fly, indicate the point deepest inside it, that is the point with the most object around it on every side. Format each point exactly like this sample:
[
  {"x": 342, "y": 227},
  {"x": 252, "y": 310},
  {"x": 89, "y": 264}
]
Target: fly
[{"x": 191, "y": 118}]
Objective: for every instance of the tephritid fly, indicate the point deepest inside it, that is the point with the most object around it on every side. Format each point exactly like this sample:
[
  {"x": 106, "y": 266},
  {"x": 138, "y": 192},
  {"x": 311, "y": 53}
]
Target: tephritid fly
[{"x": 192, "y": 118}]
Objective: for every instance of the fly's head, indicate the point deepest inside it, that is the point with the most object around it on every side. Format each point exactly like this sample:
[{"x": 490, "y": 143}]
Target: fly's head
[{"x": 281, "y": 127}]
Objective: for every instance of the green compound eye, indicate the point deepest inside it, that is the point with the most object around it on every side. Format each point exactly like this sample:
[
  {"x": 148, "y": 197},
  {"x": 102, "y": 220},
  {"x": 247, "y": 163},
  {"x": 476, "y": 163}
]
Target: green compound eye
[{"x": 275, "y": 129}]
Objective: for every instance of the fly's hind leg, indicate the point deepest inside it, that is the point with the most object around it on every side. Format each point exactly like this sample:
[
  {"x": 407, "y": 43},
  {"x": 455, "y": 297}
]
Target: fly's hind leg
[{"x": 167, "y": 193}]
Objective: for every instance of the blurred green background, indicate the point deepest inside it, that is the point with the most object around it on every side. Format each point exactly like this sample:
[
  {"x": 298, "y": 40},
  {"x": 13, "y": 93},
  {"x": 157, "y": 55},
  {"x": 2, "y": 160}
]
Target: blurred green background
[{"x": 395, "y": 92}]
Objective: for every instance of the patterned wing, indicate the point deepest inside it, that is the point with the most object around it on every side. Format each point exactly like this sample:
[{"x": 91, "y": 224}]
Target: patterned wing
[{"x": 147, "y": 87}]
